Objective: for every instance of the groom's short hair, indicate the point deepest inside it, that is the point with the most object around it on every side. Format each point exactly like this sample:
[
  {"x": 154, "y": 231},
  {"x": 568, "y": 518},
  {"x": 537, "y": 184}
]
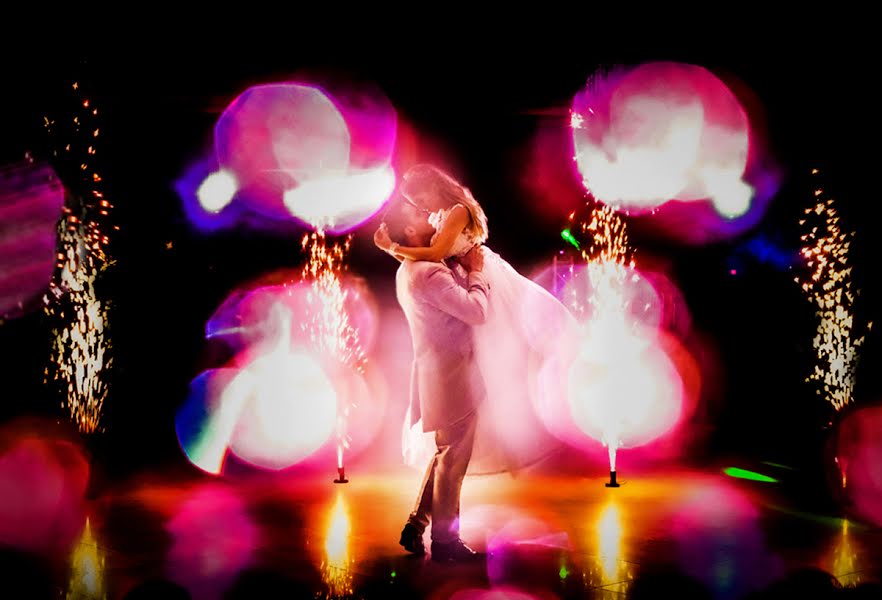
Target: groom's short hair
[{"x": 397, "y": 219}]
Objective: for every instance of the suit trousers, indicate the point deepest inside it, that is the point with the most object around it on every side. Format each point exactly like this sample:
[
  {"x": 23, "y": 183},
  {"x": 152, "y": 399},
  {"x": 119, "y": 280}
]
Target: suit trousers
[{"x": 438, "y": 500}]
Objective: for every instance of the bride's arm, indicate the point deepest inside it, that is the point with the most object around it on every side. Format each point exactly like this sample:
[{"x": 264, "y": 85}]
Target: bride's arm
[{"x": 456, "y": 221}]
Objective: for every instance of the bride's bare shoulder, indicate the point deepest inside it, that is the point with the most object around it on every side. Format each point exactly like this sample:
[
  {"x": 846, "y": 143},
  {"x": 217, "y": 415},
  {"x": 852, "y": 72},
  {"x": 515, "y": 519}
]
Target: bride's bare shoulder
[{"x": 459, "y": 211}]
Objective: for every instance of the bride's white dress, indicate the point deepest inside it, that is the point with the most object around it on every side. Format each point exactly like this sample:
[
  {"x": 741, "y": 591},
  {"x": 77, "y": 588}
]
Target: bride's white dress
[{"x": 526, "y": 331}]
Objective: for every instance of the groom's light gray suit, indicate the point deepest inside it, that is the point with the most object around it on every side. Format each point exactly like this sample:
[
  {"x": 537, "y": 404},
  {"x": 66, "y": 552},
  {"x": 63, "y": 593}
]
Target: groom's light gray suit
[{"x": 442, "y": 306}]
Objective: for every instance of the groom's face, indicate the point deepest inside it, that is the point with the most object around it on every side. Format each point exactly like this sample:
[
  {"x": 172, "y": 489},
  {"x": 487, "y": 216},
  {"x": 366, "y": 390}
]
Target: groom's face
[{"x": 418, "y": 230}]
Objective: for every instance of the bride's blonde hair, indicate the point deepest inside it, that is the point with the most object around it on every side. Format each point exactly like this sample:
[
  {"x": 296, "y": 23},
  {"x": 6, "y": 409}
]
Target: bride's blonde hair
[{"x": 429, "y": 178}]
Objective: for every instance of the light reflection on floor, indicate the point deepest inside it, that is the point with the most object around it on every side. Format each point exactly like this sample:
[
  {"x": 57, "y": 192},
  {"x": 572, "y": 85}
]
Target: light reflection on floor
[
  {"x": 337, "y": 563},
  {"x": 549, "y": 536}
]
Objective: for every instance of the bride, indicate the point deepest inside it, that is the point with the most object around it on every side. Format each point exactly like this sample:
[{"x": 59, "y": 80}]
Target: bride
[{"x": 526, "y": 331}]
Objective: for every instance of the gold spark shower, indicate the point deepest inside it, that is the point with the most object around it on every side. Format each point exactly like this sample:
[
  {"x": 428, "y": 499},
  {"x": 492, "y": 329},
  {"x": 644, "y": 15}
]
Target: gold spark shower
[
  {"x": 609, "y": 236},
  {"x": 828, "y": 287},
  {"x": 605, "y": 249},
  {"x": 80, "y": 352},
  {"x": 81, "y": 348},
  {"x": 329, "y": 328},
  {"x": 75, "y": 148}
]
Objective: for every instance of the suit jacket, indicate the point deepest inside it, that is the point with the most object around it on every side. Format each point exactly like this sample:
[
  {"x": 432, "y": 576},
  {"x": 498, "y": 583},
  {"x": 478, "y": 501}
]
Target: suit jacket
[{"x": 441, "y": 307}]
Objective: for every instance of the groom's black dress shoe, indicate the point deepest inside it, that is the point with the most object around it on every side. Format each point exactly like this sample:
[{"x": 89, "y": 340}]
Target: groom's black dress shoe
[
  {"x": 454, "y": 552},
  {"x": 412, "y": 540}
]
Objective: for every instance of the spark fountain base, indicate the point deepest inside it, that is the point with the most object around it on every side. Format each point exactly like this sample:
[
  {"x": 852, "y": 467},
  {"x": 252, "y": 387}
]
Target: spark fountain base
[
  {"x": 612, "y": 480},
  {"x": 341, "y": 476}
]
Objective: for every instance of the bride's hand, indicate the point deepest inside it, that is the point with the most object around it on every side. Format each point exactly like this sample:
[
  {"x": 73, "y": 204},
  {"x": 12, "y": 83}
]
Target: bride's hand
[{"x": 382, "y": 239}]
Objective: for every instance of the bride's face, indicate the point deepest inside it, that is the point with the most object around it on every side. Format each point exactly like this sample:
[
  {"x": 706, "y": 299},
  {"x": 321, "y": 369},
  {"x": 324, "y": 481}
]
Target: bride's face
[{"x": 426, "y": 200}]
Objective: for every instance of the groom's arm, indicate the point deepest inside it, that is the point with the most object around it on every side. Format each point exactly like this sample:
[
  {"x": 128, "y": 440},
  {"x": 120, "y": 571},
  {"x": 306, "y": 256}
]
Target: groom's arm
[{"x": 440, "y": 289}]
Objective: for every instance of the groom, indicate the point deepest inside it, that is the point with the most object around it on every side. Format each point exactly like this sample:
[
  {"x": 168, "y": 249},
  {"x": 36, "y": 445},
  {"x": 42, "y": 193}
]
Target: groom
[{"x": 441, "y": 305}]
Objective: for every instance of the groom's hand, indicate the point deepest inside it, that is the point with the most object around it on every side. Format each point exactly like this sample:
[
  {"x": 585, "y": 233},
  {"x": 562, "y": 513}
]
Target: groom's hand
[
  {"x": 473, "y": 261},
  {"x": 381, "y": 238}
]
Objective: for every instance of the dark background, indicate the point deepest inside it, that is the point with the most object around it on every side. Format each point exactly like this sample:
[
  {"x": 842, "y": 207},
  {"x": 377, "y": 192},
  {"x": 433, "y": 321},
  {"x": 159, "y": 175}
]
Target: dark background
[{"x": 479, "y": 92}]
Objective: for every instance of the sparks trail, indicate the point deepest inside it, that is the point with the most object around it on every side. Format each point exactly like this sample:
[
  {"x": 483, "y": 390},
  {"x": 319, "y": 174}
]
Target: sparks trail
[{"x": 827, "y": 284}]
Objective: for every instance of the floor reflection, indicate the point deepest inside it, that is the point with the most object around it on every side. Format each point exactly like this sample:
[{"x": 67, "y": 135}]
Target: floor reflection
[
  {"x": 87, "y": 569},
  {"x": 609, "y": 566},
  {"x": 336, "y": 566},
  {"x": 843, "y": 559},
  {"x": 546, "y": 537}
]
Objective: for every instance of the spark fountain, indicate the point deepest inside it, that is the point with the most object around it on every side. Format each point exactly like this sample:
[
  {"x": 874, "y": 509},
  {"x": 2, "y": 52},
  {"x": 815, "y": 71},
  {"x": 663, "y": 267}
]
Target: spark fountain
[
  {"x": 828, "y": 286},
  {"x": 81, "y": 345},
  {"x": 605, "y": 253},
  {"x": 329, "y": 328},
  {"x": 293, "y": 151}
]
